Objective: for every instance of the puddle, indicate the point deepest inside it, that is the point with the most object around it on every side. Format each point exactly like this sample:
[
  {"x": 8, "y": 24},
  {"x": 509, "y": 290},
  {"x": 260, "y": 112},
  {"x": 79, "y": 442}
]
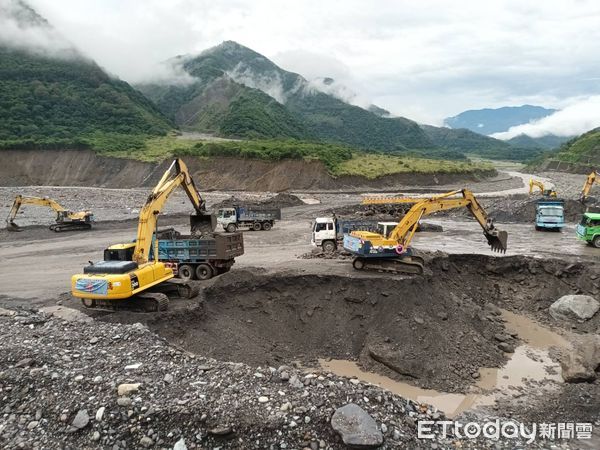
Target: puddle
[{"x": 529, "y": 362}]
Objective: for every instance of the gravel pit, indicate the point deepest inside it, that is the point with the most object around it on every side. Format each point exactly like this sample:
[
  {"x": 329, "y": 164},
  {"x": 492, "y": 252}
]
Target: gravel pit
[{"x": 435, "y": 332}]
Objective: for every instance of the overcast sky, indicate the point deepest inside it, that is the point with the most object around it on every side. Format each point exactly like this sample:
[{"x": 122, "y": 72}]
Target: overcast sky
[{"x": 425, "y": 60}]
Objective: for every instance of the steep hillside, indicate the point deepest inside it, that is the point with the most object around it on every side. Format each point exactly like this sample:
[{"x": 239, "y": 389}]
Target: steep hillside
[
  {"x": 548, "y": 142},
  {"x": 54, "y": 96},
  {"x": 230, "y": 77},
  {"x": 467, "y": 141},
  {"x": 488, "y": 121},
  {"x": 584, "y": 150}
]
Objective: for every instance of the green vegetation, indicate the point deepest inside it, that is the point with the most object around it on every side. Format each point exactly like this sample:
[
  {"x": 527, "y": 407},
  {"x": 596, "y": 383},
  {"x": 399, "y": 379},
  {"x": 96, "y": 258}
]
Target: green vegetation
[
  {"x": 377, "y": 165},
  {"x": 58, "y": 102},
  {"x": 584, "y": 149}
]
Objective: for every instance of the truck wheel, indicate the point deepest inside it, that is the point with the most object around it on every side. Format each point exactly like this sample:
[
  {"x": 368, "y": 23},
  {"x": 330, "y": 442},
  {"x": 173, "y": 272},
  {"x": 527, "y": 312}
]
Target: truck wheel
[
  {"x": 185, "y": 272},
  {"x": 256, "y": 226},
  {"x": 328, "y": 246},
  {"x": 204, "y": 272},
  {"x": 266, "y": 226},
  {"x": 596, "y": 242},
  {"x": 231, "y": 228}
]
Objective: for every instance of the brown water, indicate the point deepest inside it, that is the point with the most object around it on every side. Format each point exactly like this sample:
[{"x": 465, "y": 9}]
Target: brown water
[{"x": 529, "y": 362}]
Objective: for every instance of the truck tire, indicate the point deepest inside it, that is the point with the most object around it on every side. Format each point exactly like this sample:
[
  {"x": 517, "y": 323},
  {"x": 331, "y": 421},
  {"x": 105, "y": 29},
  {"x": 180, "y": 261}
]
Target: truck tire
[
  {"x": 328, "y": 246},
  {"x": 596, "y": 242},
  {"x": 186, "y": 272},
  {"x": 231, "y": 228},
  {"x": 256, "y": 226},
  {"x": 266, "y": 226},
  {"x": 204, "y": 271}
]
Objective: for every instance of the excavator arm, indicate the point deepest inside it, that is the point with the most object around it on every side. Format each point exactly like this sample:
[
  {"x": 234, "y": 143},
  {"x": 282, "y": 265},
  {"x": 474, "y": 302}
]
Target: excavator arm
[
  {"x": 177, "y": 175},
  {"x": 406, "y": 228},
  {"x": 592, "y": 178},
  {"x": 37, "y": 201}
]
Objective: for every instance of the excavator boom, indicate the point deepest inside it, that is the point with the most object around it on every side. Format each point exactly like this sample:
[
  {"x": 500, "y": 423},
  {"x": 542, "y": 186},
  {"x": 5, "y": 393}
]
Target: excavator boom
[
  {"x": 393, "y": 251},
  {"x": 592, "y": 178},
  {"x": 65, "y": 220}
]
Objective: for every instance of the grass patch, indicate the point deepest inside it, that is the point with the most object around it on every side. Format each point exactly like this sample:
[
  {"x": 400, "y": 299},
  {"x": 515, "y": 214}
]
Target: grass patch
[{"x": 376, "y": 165}]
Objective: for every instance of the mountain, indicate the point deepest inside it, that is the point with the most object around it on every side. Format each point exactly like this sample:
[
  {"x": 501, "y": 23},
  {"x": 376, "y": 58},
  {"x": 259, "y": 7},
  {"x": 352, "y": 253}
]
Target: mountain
[
  {"x": 584, "y": 149},
  {"x": 225, "y": 85},
  {"x": 51, "y": 95},
  {"x": 488, "y": 121},
  {"x": 548, "y": 142}
]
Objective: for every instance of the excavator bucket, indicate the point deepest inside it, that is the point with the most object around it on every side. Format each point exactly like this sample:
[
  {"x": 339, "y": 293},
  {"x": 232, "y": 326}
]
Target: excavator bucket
[
  {"x": 11, "y": 226},
  {"x": 497, "y": 240},
  {"x": 201, "y": 224}
]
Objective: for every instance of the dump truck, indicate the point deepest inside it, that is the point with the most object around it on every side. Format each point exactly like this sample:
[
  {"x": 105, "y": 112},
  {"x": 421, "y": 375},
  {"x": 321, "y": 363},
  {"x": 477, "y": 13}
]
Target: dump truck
[
  {"x": 549, "y": 214},
  {"x": 252, "y": 217},
  {"x": 199, "y": 258},
  {"x": 328, "y": 232},
  {"x": 588, "y": 229}
]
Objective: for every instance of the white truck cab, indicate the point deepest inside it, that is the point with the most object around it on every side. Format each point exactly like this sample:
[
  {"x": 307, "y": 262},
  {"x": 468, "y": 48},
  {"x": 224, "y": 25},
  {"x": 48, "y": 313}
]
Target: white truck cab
[
  {"x": 324, "y": 233},
  {"x": 227, "y": 217},
  {"x": 328, "y": 232}
]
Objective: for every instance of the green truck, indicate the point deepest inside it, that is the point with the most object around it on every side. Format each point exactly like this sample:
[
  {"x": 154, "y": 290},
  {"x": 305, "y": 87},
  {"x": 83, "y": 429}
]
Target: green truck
[{"x": 589, "y": 229}]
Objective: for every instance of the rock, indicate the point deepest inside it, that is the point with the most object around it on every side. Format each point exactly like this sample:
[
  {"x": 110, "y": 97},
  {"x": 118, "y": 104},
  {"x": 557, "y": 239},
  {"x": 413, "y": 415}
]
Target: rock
[
  {"x": 295, "y": 382},
  {"x": 66, "y": 314},
  {"x": 97, "y": 379},
  {"x": 286, "y": 406},
  {"x": 506, "y": 347},
  {"x": 419, "y": 320},
  {"x": 94, "y": 340},
  {"x": 220, "y": 431},
  {"x": 263, "y": 399},
  {"x": 100, "y": 414},
  {"x": 356, "y": 428},
  {"x": 133, "y": 366},
  {"x": 127, "y": 388},
  {"x": 79, "y": 378},
  {"x": 96, "y": 436},
  {"x": 146, "y": 442},
  {"x": 581, "y": 364},
  {"x": 574, "y": 307},
  {"x": 124, "y": 401},
  {"x": 285, "y": 376},
  {"x": 168, "y": 378},
  {"x": 81, "y": 419},
  {"x": 501, "y": 337},
  {"x": 26, "y": 362},
  {"x": 354, "y": 381},
  {"x": 7, "y": 312},
  {"x": 31, "y": 425},
  {"x": 180, "y": 445}
]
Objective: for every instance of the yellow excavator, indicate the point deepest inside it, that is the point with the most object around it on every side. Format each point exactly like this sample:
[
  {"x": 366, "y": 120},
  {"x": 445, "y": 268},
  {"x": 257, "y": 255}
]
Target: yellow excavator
[
  {"x": 128, "y": 271},
  {"x": 65, "y": 220},
  {"x": 545, "y": 192},
  {"x": 393, "y": 252},
  {"x": 592, "y": 178}
]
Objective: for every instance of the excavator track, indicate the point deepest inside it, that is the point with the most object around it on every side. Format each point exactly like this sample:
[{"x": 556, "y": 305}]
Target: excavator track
[
  {"x": 185, "y": 289},
  {"x": 410, "y": 264},
  {"x": 59, "y": 227},
  {"x": 153, "y": 301}
]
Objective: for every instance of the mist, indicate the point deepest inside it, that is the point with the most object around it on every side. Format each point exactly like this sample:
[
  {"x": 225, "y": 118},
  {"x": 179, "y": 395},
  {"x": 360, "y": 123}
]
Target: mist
[{"x": 572, "y": 120}]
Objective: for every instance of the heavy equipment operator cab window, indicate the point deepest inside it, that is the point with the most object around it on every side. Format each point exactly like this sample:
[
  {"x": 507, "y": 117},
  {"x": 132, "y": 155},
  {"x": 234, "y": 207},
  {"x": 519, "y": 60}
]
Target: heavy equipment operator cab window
[
  {"x": 121, "y": 254},
  {"x": 225, "y": 213}
]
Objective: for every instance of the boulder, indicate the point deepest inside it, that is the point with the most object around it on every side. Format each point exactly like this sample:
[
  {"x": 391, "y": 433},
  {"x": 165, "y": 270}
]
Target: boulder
[
  {"x": 583, "y": 363},
  {"x": 356, "y": 427},
  {"x": 574, "y": 307}
]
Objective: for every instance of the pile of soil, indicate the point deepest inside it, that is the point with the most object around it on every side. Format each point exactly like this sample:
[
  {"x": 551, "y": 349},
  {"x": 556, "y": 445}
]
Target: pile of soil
[{"x": 281, "y": 200}]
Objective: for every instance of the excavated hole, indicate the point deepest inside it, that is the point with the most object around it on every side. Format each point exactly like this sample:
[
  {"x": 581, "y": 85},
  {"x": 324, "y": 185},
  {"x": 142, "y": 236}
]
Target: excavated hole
[{"x": 434, "y": 332}]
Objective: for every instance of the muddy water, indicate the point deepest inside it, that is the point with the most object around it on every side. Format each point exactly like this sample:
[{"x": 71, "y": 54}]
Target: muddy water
[{"x": 529, "y": 362}]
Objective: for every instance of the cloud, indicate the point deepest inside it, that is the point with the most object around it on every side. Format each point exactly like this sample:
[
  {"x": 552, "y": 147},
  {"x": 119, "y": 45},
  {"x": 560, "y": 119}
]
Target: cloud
[
  {"x": 573, "y": 120},
  {"x": 425, "y": 60},
  {"x": 22, "y": 29}
]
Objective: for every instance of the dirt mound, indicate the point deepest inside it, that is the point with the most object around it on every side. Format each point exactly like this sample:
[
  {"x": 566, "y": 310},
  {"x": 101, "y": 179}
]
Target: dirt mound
[{"x": 281, "y": 200}]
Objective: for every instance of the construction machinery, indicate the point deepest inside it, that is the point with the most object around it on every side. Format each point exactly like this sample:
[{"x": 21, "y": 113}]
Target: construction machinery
[
  {"x": 393, "y": 253},
  {"x": 588, "y": 229},
  {"x": 388, "y": 200},
  {"x": 592, "y": 178},
  {"x": 545, "y": 192},
  {"x": 127, "y": 271},
  {"x": 65, "y": 220},
  {"x": 252, "y": 217}
]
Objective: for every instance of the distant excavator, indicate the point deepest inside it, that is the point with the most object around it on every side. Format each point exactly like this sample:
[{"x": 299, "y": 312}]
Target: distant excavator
[
  {"x": 129, "y": 270},
  {"x": 393, "y": 252},
  {"x": 592, "y": 178},
  {"x": 65, "y": 220},
  {"x": 545, "y": 192}
]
